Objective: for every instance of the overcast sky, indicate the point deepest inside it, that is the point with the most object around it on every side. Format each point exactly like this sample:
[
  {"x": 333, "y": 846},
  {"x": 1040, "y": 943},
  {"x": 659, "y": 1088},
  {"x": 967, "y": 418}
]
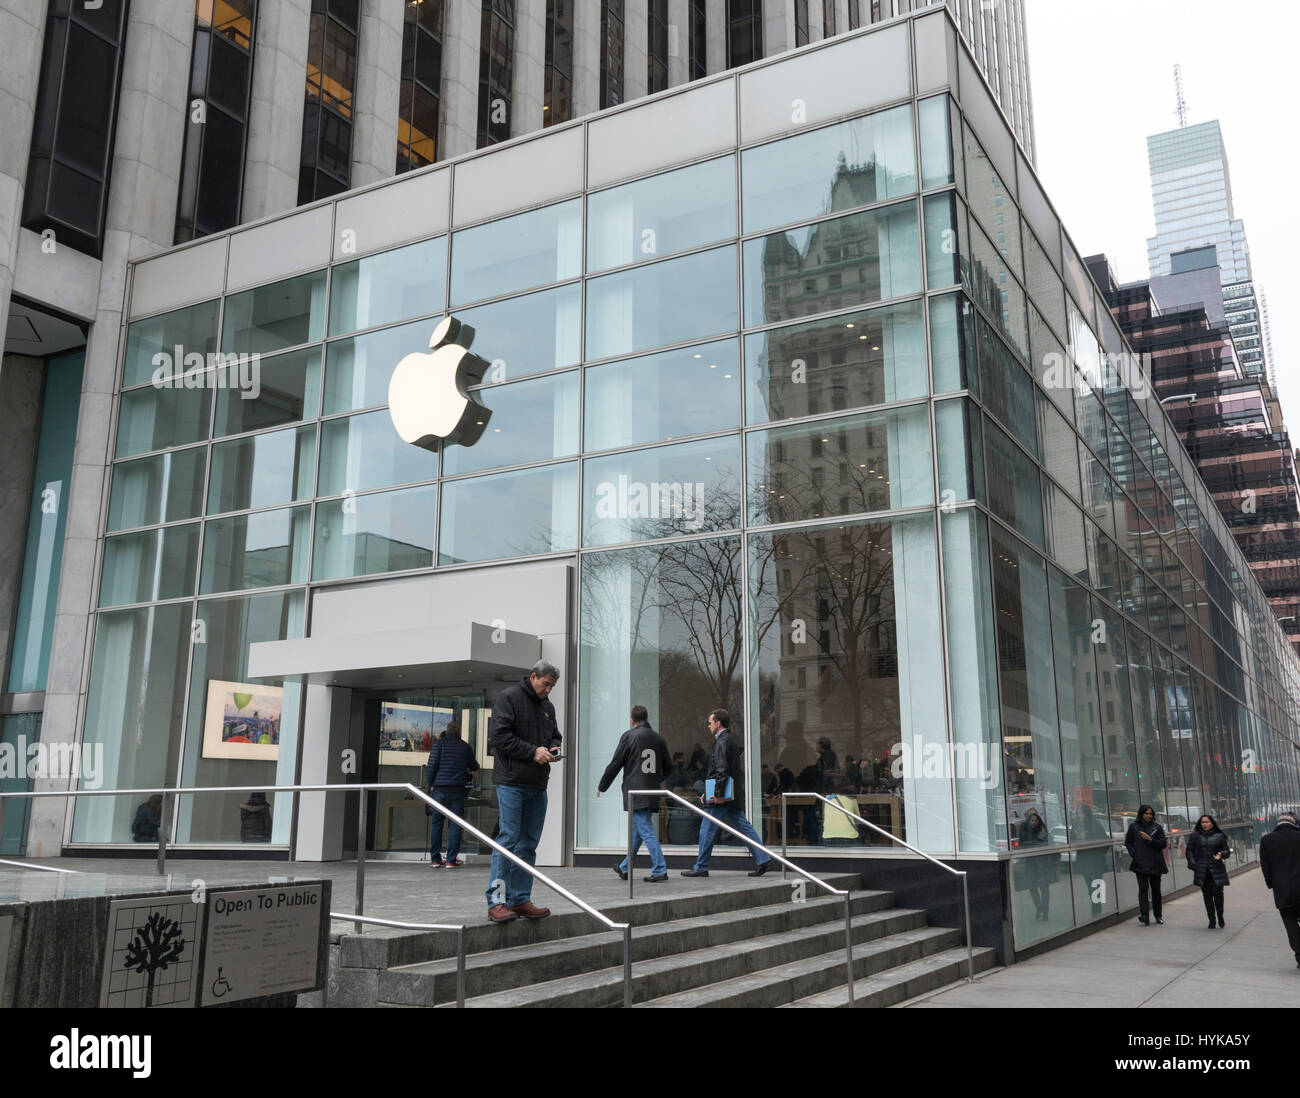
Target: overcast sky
[{"x": 1102, "y": 79}]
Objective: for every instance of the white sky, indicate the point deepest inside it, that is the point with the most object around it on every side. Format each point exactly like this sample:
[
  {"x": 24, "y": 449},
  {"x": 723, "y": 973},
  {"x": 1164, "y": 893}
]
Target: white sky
[{"x": 1101, "y": 76}]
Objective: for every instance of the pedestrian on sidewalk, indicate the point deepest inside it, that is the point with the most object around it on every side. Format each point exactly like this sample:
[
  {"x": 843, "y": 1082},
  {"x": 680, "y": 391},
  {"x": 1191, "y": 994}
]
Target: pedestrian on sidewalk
[
  {"x": 1279, "y": 862},
  {"x": 1207, "y": 848},
  {"x": 1146, "y": 842},
  {"x": 642, "y": 755},
  {"x": 451, "y": 762},
  {"x": 728, "y": 804},
  {"x": 525, "y": 738}
]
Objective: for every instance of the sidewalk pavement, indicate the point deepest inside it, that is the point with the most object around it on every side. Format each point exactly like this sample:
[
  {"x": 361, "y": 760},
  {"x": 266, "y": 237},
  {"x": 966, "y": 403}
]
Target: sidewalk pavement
[{"x": 1180, "y": 964}]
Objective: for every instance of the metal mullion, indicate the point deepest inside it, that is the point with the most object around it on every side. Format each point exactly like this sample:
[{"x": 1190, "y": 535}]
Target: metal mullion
[
  {"x": 836, "y": 414},
  {"x": 835, "y": 215},
  {"x": 814, "y": 318}
]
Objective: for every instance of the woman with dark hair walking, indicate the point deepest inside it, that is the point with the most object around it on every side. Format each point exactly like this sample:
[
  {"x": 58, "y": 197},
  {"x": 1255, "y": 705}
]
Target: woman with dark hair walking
[
  {"x": 1146, "y": 842},
  {"x": 1207, "y": 849}
]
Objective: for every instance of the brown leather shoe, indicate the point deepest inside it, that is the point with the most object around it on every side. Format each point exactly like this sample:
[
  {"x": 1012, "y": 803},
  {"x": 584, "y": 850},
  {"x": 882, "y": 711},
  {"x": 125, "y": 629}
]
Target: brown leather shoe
[
  {"x": 501, "y": 914},
  {"x": 529, "y": 910}
]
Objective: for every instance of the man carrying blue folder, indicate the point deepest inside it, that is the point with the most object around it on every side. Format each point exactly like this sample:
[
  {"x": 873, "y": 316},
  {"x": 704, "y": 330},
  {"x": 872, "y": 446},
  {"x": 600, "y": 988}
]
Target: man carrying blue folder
[{"x": 724, "y": 799}]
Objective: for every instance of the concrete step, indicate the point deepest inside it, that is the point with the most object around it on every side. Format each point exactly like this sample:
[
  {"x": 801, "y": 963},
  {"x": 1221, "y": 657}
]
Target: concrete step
[
  {"x": 905, "y": 981},
  {"x": 695, "y": 968},
  {"x": 434, "y": 982},
  {"x": 825, "y": 973},
  {"x": 382, "y": 948}
]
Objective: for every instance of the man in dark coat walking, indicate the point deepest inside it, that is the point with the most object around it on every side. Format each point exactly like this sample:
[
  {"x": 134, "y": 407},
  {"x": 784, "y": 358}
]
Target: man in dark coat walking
[
  {"x": 642, "y": 755},
  {"x": 1279, "y": 862},
  {"x": 725, "y": 763}
]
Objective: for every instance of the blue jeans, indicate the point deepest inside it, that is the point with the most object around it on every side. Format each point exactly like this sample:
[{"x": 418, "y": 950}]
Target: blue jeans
[
  {"x": 732, "y": 816},
  {"x": 455, "y": 802},
  {"x": 521, "y": 813},
  {"x": 643, "y": 824}
]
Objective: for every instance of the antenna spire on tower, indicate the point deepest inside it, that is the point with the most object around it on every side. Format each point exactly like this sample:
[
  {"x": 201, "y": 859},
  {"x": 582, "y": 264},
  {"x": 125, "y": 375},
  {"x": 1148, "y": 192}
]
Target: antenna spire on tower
[{"x": 1182, "y": 102}]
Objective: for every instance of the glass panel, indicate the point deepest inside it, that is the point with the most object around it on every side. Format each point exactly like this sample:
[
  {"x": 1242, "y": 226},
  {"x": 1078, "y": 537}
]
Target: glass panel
[
  {"x": 849, "y": 361},
  {"x": 1058, "y": 446},
  {"x": 134, "y": 708},
  {"x": 363, "y": 535},
  {"x": 998, "y": 292},
  {"x": 271, "y": 318},
  {"x": 1151, "y": 782},
  {"x": 149, "y": 567},
  {"x": 952, "y": 344},
  {"x": 875, "y": 462},
  {"x": 679, "y": 299},
  {"x": 1014, "y": 490},
  {"x": 684, "y": 489},
  {"x": 357, "y": 370},
  {"x": 947, "y": 249},
  {"x": 396, "y": 285},
  {"x": 364, "y": 451},
  {"x": 530, "y": 421},
  {"x": 1044, "y": 284},
  {"x": 660, "y": 627},
  {"x": 1007, "y": 389},
  {"x": 157, "y": 489},
  {"x": 936, "y": 142},
  {"x": 186, "y": 331},
  {"x": 836, "y": 168},
  {"x": 158, "y": 419},
  {"x": 841, "y": 622},
  {"x": 527, "y": 335},
  {"x": 666, "y": 213},
  {"x": 961, "y": 451},
  {"x": 1051, "y": 365},
  {"x": 836, "y": 264},
  {"x": 1041, "y": 897},
  {"x": 1065, "y": 538},
  {"x": 262, "y": 471},
  {"x": 1035, "y": 810},
  {"x": 225, "y": 708},
  {"x": 266, "y": 549},
  {"x": 289, "y": 391},
  {"x": 517, "y": 253},
  {"x": 542, "y": 505},
  {"x": 990, "y": 203},
  {"x": 672, "y": 394}
]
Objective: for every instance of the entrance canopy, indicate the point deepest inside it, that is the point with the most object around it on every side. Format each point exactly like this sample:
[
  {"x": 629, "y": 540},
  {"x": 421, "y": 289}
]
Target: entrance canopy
[{"x": 469, "y": 655}]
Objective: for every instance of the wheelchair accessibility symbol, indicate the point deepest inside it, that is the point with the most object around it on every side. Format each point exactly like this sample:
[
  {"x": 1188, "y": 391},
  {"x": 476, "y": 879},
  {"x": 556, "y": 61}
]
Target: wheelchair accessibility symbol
[{"x": 220, "y": 986}]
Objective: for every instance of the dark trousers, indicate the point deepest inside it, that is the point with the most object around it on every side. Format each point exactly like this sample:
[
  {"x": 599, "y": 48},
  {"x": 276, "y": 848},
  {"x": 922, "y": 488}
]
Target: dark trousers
[
  {"x": 1291, "y": 920},
  {"x": 1148, "y": 908},
  {"x": 454, "y": 800},
  {"x": 1212, "y": 894}
]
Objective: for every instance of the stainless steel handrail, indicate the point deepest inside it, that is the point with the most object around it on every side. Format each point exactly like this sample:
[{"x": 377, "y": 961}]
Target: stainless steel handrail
[
  {"x": 33, "y": 865},
  {"x": 965, "y": 890},
  {"x": 364, "y": 789},
  {"x": 848, "y": 911},
  {"x": 459, "y": 928}
]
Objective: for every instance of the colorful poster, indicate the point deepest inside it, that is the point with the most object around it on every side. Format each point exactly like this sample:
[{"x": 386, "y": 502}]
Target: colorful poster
[
  {"x": 242, "y": 721},
  {"x": 407, "y": 732}
]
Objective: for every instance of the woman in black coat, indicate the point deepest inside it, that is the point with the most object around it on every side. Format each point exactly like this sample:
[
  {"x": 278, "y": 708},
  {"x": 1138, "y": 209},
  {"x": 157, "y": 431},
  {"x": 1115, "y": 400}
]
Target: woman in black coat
[
  {"x": 1146, "y": 842},
  {"x": 1207, "y": 849},
  {"x": 1038, "y": 874}
]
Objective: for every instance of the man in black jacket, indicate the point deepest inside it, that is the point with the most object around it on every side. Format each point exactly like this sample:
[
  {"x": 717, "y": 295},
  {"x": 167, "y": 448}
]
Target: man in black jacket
[
  {"x": 1279, "y": 862},
  {"x": 525, "y": 739},
  {"x": 450, "y": 764},
  {"x": 642, "y": 755},
  {"x": 725, "y": 763}
]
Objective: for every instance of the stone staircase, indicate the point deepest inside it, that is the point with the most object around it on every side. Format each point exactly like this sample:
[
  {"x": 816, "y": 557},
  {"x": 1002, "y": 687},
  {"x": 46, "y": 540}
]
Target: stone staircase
[{"x": 749, "y": 947}]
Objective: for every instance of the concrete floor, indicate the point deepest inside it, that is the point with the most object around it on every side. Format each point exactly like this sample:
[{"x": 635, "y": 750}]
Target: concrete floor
[{"x": 1180, "y": 964}]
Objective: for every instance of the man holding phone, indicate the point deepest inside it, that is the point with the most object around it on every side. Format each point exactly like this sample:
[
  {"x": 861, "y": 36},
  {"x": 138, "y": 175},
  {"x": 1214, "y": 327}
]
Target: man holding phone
[
  {"x": 525, "y": 739},
  {"x": 725, "y": 767}
]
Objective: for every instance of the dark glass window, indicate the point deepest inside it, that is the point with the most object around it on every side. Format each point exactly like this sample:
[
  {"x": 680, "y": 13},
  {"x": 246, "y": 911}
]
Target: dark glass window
[
  {"x": 417, "y": 112},
  {"x": 801, "y": 22},
  {"x": 611, "y": 53},
  {"x": 744, "y": 31},
  {"x": 657, "y": 46},
  {"x": 855, "y": 14},
  {"x": 828, "y": 19},
  {"x": 221, "y": 80},
  {"x": 326, "y": 164},
  {"x": 76, "y": 109},
  {"x": 558, "y": 104},
  {"x": 495, "y": 71},
  {"x": 698, "y": 62}
]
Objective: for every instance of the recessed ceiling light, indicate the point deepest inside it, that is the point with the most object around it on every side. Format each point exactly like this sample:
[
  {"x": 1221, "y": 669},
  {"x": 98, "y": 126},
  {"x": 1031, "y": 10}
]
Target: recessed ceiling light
[
  {"x": 697, "y": 356},
  {"x": 850, "y": 325},
  {"x": 726, "y": 376}
]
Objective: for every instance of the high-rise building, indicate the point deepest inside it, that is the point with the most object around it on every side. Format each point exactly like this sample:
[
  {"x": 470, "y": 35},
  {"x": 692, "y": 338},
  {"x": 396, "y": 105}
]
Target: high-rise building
[{"x": 1192, "y": 192}]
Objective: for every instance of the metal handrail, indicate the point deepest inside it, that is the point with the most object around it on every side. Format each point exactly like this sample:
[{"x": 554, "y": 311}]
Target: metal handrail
[
  {"x": 460, "y": 943},
  {"x": 364, "y": 790},
  {"x": 965, "y": 890},
  {"x": 848, "y": 911},
  {"x": 33, "y": 865}
]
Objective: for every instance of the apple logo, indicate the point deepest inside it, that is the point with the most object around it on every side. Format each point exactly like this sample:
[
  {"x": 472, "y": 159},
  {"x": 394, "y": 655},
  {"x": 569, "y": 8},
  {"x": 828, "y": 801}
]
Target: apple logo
[{"x": 426, "y": 394}]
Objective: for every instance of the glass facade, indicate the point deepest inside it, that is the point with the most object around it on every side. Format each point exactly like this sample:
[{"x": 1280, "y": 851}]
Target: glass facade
[{"x": 804, "y": 418}]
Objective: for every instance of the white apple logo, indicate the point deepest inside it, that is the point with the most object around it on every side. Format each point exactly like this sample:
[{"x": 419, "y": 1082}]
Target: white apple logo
[{"x": 426, "y": 394}]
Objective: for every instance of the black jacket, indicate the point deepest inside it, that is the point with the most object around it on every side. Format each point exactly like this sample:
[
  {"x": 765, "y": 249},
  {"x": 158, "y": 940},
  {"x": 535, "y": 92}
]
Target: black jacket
[
  {"x": 255, "y": 822},
  {"x": 521, "y": 723},
  {"x": 1201, "y": 849},
  {"x": 725, "y": 763},
  {"x": 1279, "y": 862},
  {"x": 638, "y": 748},
  {"x": 1148, "y": 857},
  {"x": 450, "y": 764}
]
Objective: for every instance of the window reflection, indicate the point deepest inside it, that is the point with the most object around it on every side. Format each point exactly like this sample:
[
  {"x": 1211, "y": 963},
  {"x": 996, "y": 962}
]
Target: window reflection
[
  {"x": 385, "y": 532},
  {"x": 510, "y": 514},
  {"x": 517, "y": 253}
]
